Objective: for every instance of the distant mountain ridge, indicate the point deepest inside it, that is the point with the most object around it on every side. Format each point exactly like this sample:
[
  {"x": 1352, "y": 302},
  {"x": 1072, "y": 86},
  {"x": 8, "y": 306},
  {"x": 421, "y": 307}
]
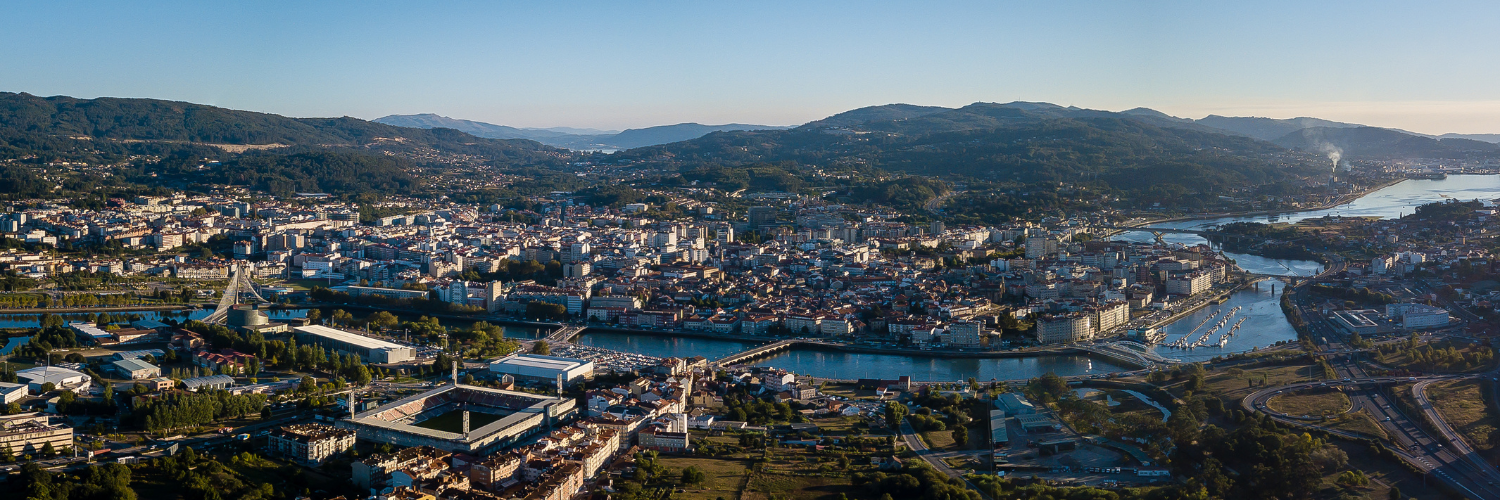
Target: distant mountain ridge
[
  {"x": 478, "y": 129},
  {"x": 564, "y": 137}
]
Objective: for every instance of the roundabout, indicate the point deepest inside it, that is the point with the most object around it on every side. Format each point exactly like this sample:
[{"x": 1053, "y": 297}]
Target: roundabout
[{"x": 1310, "y": 403}]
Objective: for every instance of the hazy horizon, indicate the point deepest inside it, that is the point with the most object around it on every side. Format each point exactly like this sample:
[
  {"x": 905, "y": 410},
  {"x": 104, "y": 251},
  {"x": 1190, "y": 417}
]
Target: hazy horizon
[{"x": 612, "y": 66}]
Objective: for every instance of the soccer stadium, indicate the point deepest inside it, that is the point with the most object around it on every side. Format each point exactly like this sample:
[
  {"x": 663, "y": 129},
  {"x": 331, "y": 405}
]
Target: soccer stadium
[{"x": 496, "y": 418}]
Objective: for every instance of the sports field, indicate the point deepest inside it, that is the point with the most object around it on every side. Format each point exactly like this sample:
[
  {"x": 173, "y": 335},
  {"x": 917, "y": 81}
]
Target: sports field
[{"x": 453, "y": 421}]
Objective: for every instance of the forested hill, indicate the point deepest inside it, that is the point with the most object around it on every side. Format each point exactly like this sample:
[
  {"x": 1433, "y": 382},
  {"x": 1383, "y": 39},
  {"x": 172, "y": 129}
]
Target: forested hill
[
  {"x": 35, "y": 122},
  {"x": 166, "y": 144},
  {"x": 1386, "y": 143},
  {"x": 1022, "y": 142}
]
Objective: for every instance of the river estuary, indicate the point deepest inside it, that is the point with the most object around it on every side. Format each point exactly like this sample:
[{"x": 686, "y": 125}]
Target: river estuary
[
  {"x": 1260, "y": 306},
  {"x": 1264, "y": 325}
]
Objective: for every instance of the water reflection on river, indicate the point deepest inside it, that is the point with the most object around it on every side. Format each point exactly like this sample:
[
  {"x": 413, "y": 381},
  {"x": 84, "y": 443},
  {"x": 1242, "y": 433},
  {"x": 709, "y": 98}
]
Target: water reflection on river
[
  {"x": 831, "y": 364},
  {"x": 1264, "y": 325}
]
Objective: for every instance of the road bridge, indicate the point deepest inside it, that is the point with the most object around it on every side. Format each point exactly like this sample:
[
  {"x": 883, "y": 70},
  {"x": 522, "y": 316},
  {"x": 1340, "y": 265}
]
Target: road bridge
[
  {"x": 564, "y": 335},
  {"x": 759, "y": 351},
  {"x": 1161, "y": 230},
  {"x": 1129, "y": 351}
]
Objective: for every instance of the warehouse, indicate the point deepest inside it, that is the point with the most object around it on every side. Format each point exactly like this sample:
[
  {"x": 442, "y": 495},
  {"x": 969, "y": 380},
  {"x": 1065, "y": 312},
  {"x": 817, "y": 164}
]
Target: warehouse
[
  {"x": 369, "y": 349},
  {"x": 60, "y": 378},
  {"x": 10, "y": 393},
  {"x": 538, "y": 368},
  {"x": 135, "y": 369}
]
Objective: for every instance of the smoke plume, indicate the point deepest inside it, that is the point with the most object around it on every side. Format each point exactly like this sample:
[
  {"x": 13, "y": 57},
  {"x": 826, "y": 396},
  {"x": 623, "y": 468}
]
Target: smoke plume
[{"x": 1334, "y": 153}]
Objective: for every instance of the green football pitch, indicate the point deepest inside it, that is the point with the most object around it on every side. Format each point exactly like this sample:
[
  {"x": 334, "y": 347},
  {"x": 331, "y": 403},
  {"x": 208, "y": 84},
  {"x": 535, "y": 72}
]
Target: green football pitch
[{"x": 453, "y": 421}]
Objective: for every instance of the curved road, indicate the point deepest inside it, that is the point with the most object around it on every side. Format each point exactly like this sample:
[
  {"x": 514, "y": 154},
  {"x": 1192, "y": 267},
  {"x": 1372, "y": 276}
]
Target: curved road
[{"x": 1455, "y": 466}]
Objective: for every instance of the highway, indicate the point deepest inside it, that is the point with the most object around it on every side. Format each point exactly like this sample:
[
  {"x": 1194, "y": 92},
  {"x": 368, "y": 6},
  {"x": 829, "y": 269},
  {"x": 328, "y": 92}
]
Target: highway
[
  {"x": 932, "y": 458},
  {"x": 1455, "y": 464}
]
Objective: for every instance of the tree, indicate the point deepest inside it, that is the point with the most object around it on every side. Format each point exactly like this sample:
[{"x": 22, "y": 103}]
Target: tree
[
  {"x": 314, "y": 315},
  {"x": 48, "y": 451},
  {"x": 342, "y": 317},
  {"x": 693, "y": 475},
  {"x": 383, "y": 319},
  {"x": 961, "y": 436},
  {"x": 895, "y": 412},
  {"x": 541, "y": 347}
]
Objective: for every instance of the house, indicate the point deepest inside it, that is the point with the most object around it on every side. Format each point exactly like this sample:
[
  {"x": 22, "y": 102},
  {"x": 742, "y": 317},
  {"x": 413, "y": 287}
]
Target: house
[{"x": 664, "y": 441}]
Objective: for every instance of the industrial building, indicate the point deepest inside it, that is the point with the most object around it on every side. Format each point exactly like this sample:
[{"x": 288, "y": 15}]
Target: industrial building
[
  {"x": 1014, "y": 404},
  {"x": 29, "y": 433},
  {"x": 60, "y": 378},
  {"x": 999, "y": 436},
  {"x": 1361, "y": 321},
  {"x": 1417, "y": 316},
  {"x": 538, "y": 368},
  {"x": 371, "y": 350},
  {"x": 211, "y": 382},
  {"x": 135, "y": 369},
  {"x": 10, "y": 393}
]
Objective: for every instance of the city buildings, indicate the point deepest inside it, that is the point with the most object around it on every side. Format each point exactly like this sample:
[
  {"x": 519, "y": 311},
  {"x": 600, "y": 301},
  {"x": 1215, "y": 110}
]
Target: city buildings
[
  {"x": 309, "y": 444},
  {"x": 30, "y": 433}
]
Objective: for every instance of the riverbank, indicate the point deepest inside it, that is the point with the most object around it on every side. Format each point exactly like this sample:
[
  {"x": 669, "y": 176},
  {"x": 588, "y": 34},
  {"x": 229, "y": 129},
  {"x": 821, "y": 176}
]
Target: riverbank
[
  {"x": 76, "y": 310},
  {"x": 821, "y": 345},
  {"x": 1340, "y": 201}
]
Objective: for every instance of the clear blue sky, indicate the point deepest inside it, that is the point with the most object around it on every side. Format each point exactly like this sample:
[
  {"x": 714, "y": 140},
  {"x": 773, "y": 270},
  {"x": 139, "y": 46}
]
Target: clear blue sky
[{"x": 1424, "y": 66}]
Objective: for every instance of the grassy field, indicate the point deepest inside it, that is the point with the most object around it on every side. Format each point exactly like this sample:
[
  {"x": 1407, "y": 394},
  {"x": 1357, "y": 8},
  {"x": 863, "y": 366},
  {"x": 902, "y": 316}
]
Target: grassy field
[
  {"x": 1463, "y": 405},
  {"x": 763, "y": 486},
  {"x": 960, "y": 463},
  {"x": 939, "y": 440},
  {"x": 453, "y": 421},
  {"x": 850, "y": 391},
  {"x": 1359, "y": 422},
  {"x": 1311, "y": 402},
  {"x": 726, "y": 477},
  {"x": 1235, "y": 383}
]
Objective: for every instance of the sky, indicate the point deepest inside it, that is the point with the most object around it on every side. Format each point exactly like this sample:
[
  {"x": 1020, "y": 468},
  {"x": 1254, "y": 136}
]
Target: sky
[{"x": 1423, "y": 66}]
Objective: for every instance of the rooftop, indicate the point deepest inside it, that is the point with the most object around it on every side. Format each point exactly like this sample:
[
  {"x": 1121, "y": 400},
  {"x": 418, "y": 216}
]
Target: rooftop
[
  {"x": 348, "y": 337},
  {"x": 539, "y": 361}
]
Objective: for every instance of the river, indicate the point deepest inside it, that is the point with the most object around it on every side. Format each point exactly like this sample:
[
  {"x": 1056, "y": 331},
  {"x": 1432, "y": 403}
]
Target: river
[
  {"x": 832, "y": 364},
  {"x": 1265, "y": 324},
  {"x": 1387, "y": 203}
]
